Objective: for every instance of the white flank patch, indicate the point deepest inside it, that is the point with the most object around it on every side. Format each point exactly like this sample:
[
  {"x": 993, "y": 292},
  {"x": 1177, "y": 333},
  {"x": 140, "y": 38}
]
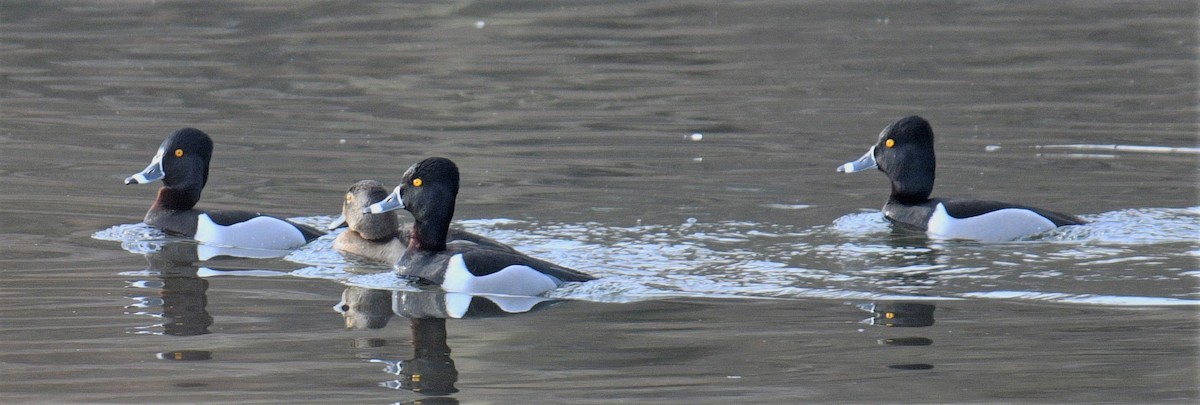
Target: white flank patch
[
  {"x": 256, "y": 233},
  {"x": 512, "y": 280},
  {"x": 996, "y": 226}
]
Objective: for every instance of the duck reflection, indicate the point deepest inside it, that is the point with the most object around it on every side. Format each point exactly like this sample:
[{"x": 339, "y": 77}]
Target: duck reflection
[
  {"x": 430, "y": 371},
  {"x": 365, "y": 308},
  {"x": 902, "y": 315},
  {"x": 188, "y": 251},
  {"x": 176, "y": 290},
  {"x": 173, "y": 288},
  {"x": 914, "y": 256}
]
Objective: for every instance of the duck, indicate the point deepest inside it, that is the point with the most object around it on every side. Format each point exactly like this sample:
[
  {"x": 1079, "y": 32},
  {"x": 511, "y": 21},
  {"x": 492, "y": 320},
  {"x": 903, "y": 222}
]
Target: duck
[
  {"x": 904, "y": 153},
  {"x": 383, "y": 237},
  {"x": 365, "y": 308},
  {"x": 428, "y": 190},
  {"x": 181, "y": 163}
]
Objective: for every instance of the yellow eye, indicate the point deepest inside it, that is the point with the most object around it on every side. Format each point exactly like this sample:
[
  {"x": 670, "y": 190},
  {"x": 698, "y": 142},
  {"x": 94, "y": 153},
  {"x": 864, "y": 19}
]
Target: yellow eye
[
  {"x": 349, "y": 198},
  {"x": 417, "y": 182},
  {"x": 890, "y": 142},
  {"x": 178, "y": 152}
]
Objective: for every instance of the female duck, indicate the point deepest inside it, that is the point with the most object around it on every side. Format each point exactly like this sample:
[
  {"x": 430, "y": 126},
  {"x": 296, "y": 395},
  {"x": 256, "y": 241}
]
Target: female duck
[
  {"x": 905, "y": 153},
  {"x": 182, "y": 165},
  {"x": 381, "y": 237},
  {"x": 428, "y": 190}
]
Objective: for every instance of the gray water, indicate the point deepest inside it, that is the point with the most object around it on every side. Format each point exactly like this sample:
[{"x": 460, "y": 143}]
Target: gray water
[{"x": 683, "y": 152}]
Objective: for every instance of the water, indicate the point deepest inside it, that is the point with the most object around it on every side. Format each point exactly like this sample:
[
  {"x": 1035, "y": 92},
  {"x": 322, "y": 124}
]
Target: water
[{"x": 682, "y": 152}]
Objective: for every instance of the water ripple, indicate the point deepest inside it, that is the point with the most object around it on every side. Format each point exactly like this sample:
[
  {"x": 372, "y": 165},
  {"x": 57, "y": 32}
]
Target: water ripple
[{"x": 1106, "y": 262}]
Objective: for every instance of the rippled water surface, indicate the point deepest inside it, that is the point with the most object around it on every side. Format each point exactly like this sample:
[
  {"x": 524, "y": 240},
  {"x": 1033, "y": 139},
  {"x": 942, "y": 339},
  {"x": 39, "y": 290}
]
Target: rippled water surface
[{"x": 683, "y": 152}]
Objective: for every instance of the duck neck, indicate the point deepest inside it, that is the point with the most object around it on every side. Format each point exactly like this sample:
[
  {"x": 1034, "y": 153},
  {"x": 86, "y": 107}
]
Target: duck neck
[
  {"x": 913, "y": 183},
  {"x": 907, "y": 199},
  {"x": 177, "y": 199},
  {"x": 431, "y": 219},
  {"x": 429, "y": 235}
]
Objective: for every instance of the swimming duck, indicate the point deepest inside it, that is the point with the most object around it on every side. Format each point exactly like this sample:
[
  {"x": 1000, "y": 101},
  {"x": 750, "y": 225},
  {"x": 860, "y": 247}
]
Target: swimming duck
[
  {"x": 182, "y": 165},
  {"x": 381, "y": 237},
  {"x": 428, "y": 191},
  {"x": 905, "y": 154}
]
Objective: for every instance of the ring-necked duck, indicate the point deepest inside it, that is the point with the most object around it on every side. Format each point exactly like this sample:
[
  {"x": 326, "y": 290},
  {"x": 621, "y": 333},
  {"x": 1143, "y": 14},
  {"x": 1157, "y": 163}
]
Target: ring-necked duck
[
  {"x": 905, "y": 153},
  {"x": 182, "y": 165},
  {"x": 381, "y": 237},
  {"x": 428, "y": 190}
]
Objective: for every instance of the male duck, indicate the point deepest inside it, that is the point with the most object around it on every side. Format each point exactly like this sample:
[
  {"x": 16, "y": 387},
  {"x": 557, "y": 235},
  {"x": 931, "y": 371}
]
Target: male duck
[
  {"x": 182, "y": 165},
  {"x": 428, "y": 190},
  {"x": 905, "y": 153},
  {"x": 381, "y": 237}
]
